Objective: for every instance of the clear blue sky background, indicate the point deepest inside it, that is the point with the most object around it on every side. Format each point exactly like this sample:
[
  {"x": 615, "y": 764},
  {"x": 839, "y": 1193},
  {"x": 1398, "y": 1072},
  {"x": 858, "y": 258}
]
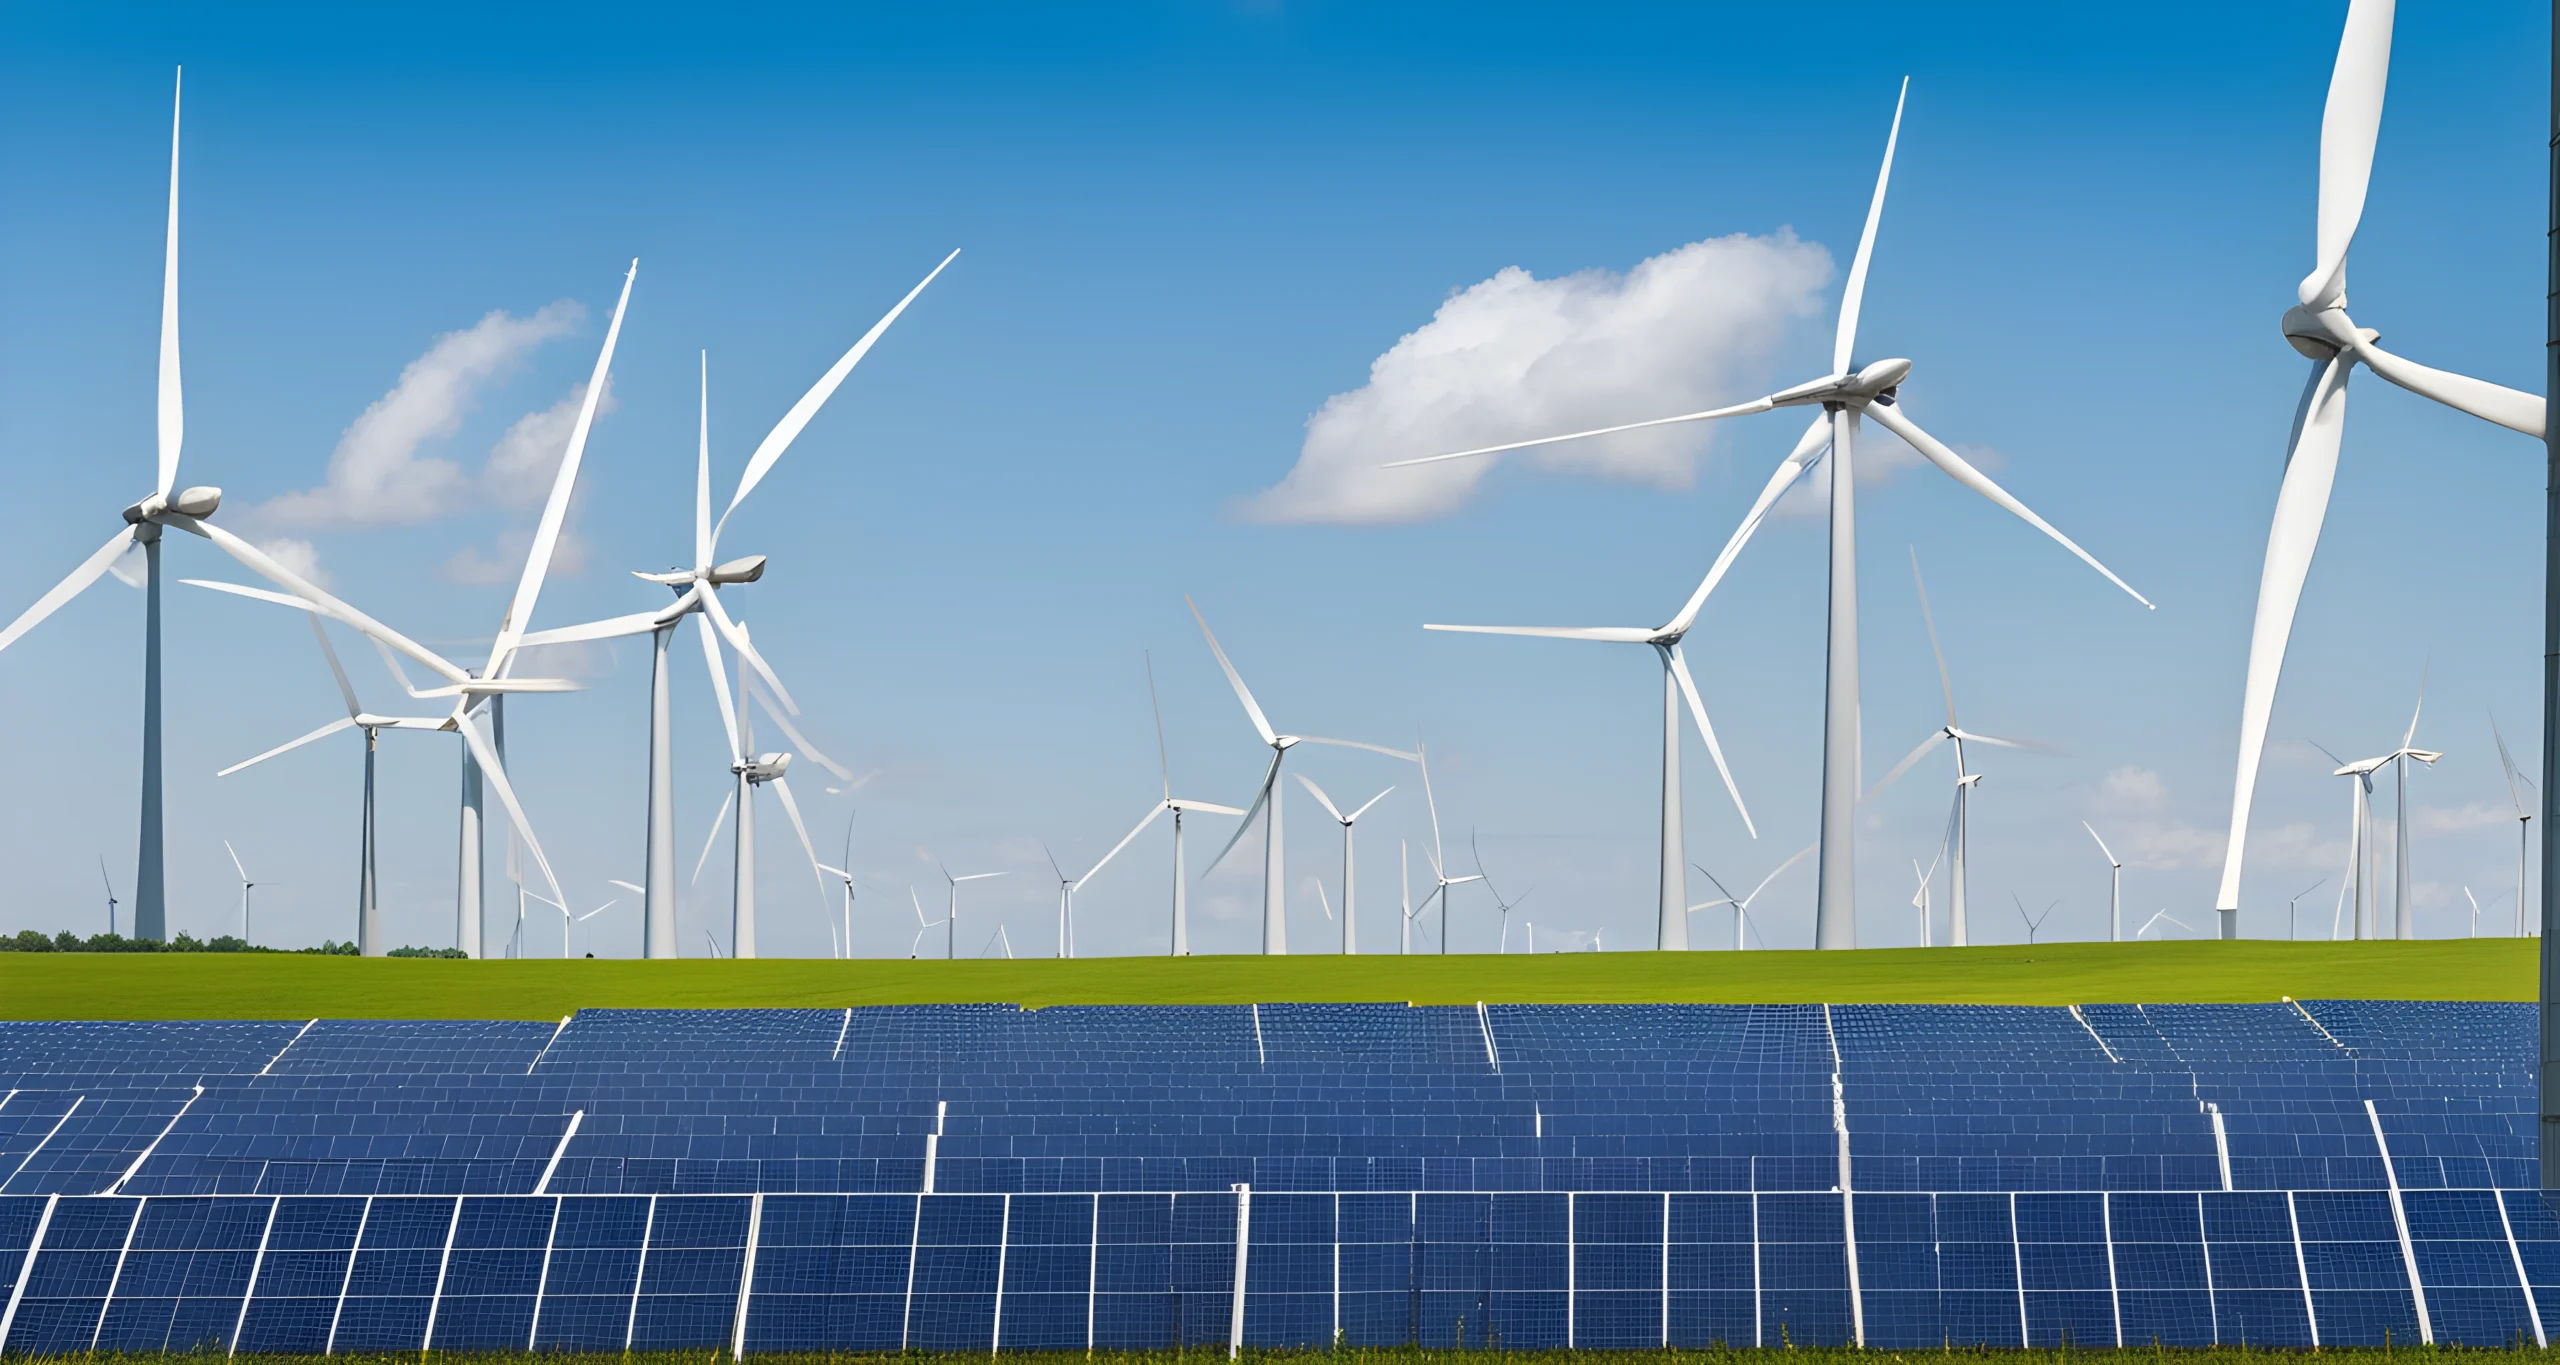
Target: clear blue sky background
[{"x": 1186, "y": 226}]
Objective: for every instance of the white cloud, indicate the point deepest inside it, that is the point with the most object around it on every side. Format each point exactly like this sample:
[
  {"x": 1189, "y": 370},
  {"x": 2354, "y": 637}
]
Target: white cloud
[
  {"x": 2476, "y": 815},
  {"x": 522, "y": 463},
  {"x": 377, "y": 475},
  {"x": 1516, "y": 356},
  {"x": 2132, "y": 789},
  {"x": 301, "y": 556}
]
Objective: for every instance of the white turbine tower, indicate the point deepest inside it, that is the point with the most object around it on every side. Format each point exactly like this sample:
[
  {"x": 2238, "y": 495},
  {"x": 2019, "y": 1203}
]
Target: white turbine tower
[
  {"x": 1671, "y": 919},
  {"x": 1846, "y": 396},
  {"x": 475, "y": 694},
  {"x": 1501, "y": 906},
  {"x": 1441, "y": 881},
  {"x": 1958, "y": 931},
  {"x": 1350, "y": 882},
  {"x": 697, "y": 589},
  {"x": 2115, "y": 887},
  {"x": 245, "y": 885},
  {"x": 2319, "y": 328},
  {"x": 1742, "y": 905},
  {"x": 2404, "y": 918},
  {"x": 1275, "y": 919},
  {"x": 950, "y": 920},
  {"x": 2520, "y": 790}
]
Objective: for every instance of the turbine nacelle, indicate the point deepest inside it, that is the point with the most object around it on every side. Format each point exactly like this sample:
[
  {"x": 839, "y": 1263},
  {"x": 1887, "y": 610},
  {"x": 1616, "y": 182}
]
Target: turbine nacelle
[
  {"x": 1876, "y": 380},
  {"x": 198, "y": 502},
  {"x": 764, "y": 768},
  {"x": 2320, "y": 333},
  {"x": 743, "y": 570}
]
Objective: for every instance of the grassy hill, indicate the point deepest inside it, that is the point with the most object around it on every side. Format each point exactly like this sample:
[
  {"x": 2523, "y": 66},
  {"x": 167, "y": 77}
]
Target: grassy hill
[{"x": 280, "y": 986}]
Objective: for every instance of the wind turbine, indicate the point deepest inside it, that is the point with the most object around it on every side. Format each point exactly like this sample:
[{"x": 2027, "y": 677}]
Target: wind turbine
[
  {"x": 1167, "y": 802},
  {"x": 1066, "y": 903},
  {"x": 2115, "y": 887},
  {"x": 1671, "y": 919},
  {"x": 1499, "y": 904},
  {"x": 697, "y": 590},
  {"x": 368, "y": 904},
  {"x": 1350, "y": 934},
  {"x": 166, "y": 507},
  {"x": 1275, "y": 918},
  {"x": 922, "y": 925},
  {"x": 2404, "y": 919},
  {"x": 846, "y": 874},
  {"x": 2036, "y": 923},
  {"x": 476, "y": 694},
  {"x": 1742, "y": 906},
  {"x": 567, "y": 920},
  {"x": 245, "y": 885},
  {"x": 2520, "y": 790},
  {"x": 1958, "y": 935},
  {"x": 2319, "y": 328},
  {"x": 1441, "y": 881},
  {"x": 2359, "y": 837},
  {"x": 1920, "y": 896},
  {"x": 951, "y": 915},
  {"x": 754, "y": 770},
  {"x": 2155, "y": 919},
  {"x": 111, "y": 896},
  {"x": 2475, "y": 912},
  {"x": 1845, "y": 397}
]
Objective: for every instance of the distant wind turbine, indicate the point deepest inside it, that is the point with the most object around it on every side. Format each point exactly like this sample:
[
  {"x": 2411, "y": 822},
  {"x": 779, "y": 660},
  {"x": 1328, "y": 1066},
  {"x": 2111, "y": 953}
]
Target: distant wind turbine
[
  {"x": 111, "y": 895},
  {"x": 1441, "y": 881},
  {"x": 951, "y": 914},
  {"x": 2291, "y": 905},
  {"x": 2359, "y": 878},
  {"x": 2404, "y": 918},
  {"x": 2036, "y": 923},
  {"x": 1845, "y": 398},
  {"x": 2155, "y": 919},
  {"x": 245, "y": 885},
  {"x": 1350, "y": 935},
  {"x": 922, "y": 924},
  {"x": 2115, "y": 887},
  {"x": 2520, "y": 790},
  {"x": 1504, "y": 907}
]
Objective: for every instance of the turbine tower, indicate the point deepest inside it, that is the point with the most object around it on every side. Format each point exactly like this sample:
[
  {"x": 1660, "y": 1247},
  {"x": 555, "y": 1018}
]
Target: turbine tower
[
  {"x": 2404, "y": 919},
  {"x": 1275, "y": 921},
  {"x": 1671, "y": 917},
  {"x": 697, "y": 590},
  {"x": 2319, "y": 328},
  {"x": 2520, "y": 791},
  {"x": 2359, "y": 879},
  {"x": 2115, "y": 887},
  {"x": 1846, "y": 397},
  {"x": 1350, "y": 882}
]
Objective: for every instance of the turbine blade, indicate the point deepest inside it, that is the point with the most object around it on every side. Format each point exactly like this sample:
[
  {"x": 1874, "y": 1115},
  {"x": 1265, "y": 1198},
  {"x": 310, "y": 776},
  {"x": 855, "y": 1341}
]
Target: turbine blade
[
  {"x": 720, "y": 687},
  {"x": 788, "y": 429},
  {"x": 2412, "y": 736},
  {"x": 1356, "y": 744},
  {"x": 346, "y": 689},
  {"x": 281, "y": 599},
  {"x": 2492, "y": 402},
  {"x": 1707, "y": 732},
  {"x": 612, "y": 627},
  {"x": 1322, "y": 899},
  {"x": 1321, "y": 799},
  {"x": 1845, "y": 340},
  {"x": 1630, "y": 635},
  {"x": 1252, "y": 709},
  {"x": 90, "y": 571},
  {"x": 791, "y": 808},
  {"x": 1260, "y": 796},
  {"x": 1904, "y": 766},
  {"x": 323, "y": 732},
  {"x": 773, "y": 712},
  {"x": 1931, "y": 621},
  {"x": 2102, "y": 844},
  {"x": 1164, "y": 764},
  {"x": 1364, "y": 809},
  {"x": 736, "y": 635},
  {"x": 1792, "y": 859},
  {"x": 1816, "y": 439},
  {"x": 716, "y": 822},
  {"x": 2515, "y": 792},
  {"x": 1890, "y": 415},
  {"x": 1430, "y": 803},
  {"x": 173, "y": 397},
  {"x": 1134, "y": 831},
  {"x": 2348, "y": 128},
  {"x": 266, "y": 567},
  {"x": 1201, "y": 805},
  {"x": 2301, "y": 505},
  {"x": 1737, "y": 410},
  {"x": 494, "y": 772},
  {"x": 555, "y": 509},
  {"x": 633, "y": 887},
  {"x": 235, "y": 860}
]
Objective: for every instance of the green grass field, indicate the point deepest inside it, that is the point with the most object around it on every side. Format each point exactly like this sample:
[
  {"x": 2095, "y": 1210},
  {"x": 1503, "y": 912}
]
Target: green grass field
[{"x": 282, "y": 986}]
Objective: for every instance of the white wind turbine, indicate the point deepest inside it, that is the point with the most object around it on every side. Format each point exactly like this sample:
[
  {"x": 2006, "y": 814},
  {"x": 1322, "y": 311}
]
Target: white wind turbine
[
  {"x": 476, "y": 694},
  {"x": 1958, "y": 934},
  {"x": 1275, "y": 920},
  {"x": 1350, "y": 933},
  {"x": 368, "y": 935},
  {"x": 753, "y": 770},
  {"x": 2520, "y": 790},
  {"x": 922, "y": 925},
  {"x": 2155, "y": 919},
  {"x": 2359, "y": 878},
  {"x": 1742, "y": 905},
  {"x": 2115, "y": 887},
  {"x": 245, "y": 885},
  {"x": 111, "y": 895},
  {"x": 697, "y": 589},
  {"x": 2319, "y": 328},
  {"x": 1845, "y": 396},
  {"x": 1671, "y": 920},
  {"x": 1441, "y": 881},
  {"x": 2292, "y": 907},
  {"x": 951, "y": 915},
  {"x": 167, "y": 507},
  {"x": 1067, "y": 887},
  {"x": 1501, "y": 906},
  {"x": 2404, "y": 918}
]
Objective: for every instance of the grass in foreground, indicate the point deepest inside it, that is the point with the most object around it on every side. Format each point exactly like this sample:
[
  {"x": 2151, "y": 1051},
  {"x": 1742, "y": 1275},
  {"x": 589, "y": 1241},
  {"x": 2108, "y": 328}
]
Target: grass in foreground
[{"x": 293, "y": 986}]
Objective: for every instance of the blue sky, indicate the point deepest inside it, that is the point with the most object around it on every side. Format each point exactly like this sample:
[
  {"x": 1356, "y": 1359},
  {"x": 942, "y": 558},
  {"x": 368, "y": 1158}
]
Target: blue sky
[{"x": 1186, "y": 227}]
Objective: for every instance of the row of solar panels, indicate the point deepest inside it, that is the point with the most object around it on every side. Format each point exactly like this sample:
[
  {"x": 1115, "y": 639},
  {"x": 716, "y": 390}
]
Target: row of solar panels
[{"x": 1048, "y": 1272}]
